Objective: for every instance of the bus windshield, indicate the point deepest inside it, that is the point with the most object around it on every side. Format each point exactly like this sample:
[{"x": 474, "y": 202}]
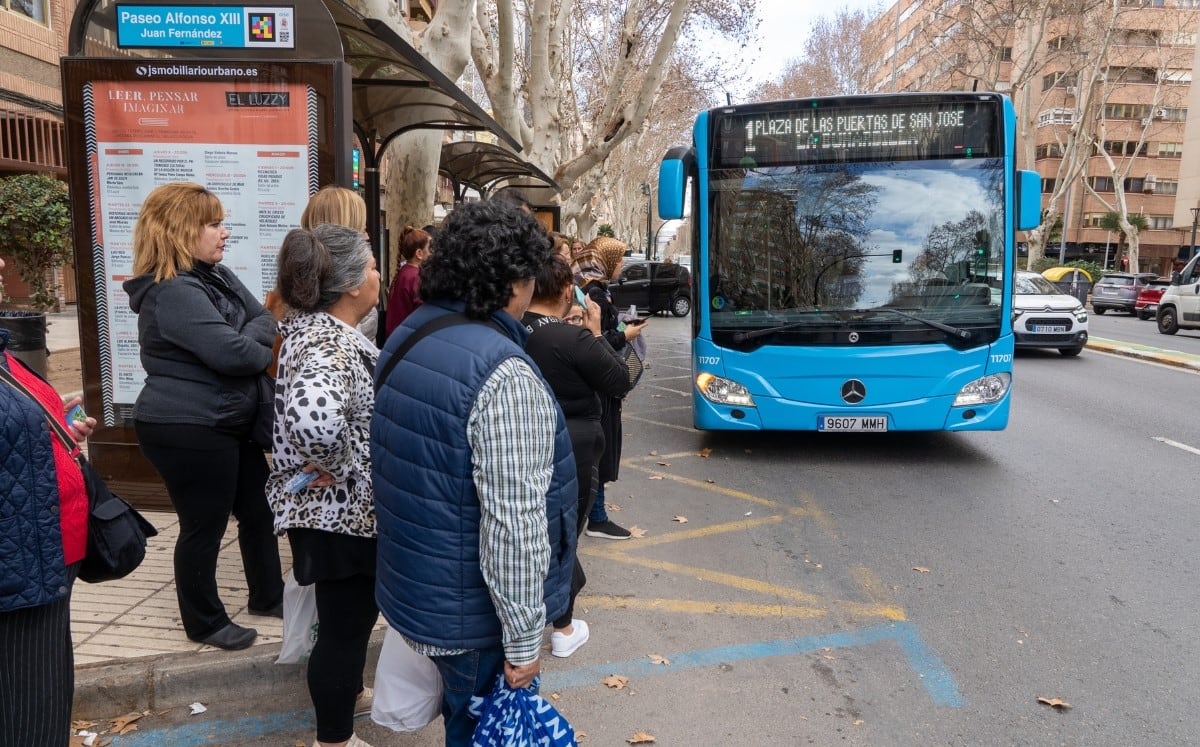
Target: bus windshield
[{"x": 812, "y": 248}]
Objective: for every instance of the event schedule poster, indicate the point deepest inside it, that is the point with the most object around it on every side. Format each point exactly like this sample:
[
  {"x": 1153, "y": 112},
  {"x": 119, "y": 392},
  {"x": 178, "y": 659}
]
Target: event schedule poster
[{"x": 251, "y": 144}]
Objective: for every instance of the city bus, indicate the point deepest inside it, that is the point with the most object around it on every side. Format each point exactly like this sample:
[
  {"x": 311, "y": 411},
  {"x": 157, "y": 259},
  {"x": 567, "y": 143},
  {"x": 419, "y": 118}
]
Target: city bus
[{"x": 853, "y": 261}]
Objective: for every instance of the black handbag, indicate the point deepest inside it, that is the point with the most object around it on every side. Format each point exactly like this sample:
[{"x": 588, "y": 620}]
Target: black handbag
[{"x": 116, "y": 532}]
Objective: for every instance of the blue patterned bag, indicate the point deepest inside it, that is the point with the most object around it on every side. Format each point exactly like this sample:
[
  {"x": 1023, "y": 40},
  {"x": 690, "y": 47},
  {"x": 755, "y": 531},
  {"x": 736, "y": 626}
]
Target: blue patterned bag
[{"x": 519, "y": 718}]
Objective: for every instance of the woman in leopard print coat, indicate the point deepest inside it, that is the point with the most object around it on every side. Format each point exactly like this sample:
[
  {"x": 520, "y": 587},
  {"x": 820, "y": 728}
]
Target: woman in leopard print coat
[{"x": 323, "y": 403}]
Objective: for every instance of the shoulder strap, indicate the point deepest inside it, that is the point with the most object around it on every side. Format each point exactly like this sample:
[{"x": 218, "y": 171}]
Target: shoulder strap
[
  {"x": 55, "y": 424},
  {"x": 426, "y": 329}
]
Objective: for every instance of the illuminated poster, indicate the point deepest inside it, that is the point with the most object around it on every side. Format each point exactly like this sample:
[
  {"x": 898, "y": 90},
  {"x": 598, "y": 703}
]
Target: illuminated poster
[{"x": 251, "y": 144}]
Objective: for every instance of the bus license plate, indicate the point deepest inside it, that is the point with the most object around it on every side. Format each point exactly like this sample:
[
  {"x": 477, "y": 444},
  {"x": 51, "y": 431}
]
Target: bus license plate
[
  {"x": 1049, "y": 328},
  {"x": 852, "y": 423}
]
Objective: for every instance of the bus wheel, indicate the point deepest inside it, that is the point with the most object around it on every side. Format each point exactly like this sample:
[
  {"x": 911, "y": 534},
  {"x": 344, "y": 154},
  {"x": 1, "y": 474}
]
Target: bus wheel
[{"x": 1167, "y": 324}]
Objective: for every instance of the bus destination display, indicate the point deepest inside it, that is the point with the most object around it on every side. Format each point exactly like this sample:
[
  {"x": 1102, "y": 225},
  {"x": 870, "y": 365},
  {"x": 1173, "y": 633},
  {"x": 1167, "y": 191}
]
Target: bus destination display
[{"x": 811, "y": 134}]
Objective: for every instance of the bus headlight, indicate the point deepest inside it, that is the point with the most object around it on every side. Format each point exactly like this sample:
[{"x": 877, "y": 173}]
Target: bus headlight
[
  {"x": 984, "y": 391},
  {"x": 723, "y": 391}
]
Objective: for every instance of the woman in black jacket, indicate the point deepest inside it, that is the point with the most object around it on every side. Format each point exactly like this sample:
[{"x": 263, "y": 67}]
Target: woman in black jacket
[
  {"x": 598, "y": 263},
  {"x": 581, "y": 367},
  {"x": 205, "y": 340}
]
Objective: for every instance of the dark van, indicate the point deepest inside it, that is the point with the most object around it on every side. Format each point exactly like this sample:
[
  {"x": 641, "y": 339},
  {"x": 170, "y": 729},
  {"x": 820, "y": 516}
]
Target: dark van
[{"x": 653, "y": 287}]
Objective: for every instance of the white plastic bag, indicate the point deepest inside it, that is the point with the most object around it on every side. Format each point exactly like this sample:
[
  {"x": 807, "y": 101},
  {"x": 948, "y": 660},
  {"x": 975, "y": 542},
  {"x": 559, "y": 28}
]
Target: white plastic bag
[
  {"x": 408, "y": 687},
  {"x": 299, "y": 621}
]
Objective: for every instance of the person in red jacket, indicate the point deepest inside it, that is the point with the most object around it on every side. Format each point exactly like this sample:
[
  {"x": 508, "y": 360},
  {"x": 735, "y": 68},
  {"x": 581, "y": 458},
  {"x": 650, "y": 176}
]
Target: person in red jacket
[
  {"x": 43, "y": 537},
  {"x": 405, "y": 296}
]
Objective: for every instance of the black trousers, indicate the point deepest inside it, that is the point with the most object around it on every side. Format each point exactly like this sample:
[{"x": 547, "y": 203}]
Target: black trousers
[
  {"x": 347, "y": 613},
  {"x": 587, "y": 440},
  {"x": 210, "y": 474},
  {"x": 37, "y": 674}
]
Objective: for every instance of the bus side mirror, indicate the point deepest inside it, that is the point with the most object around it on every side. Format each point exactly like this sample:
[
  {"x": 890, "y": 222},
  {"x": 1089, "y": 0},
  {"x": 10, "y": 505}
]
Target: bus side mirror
[
  {"x": 672, "y": 181},
  {"x": 1029, "y": 196}
]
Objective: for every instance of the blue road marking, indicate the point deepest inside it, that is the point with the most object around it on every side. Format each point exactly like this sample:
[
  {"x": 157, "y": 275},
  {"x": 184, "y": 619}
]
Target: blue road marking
[
  {"x": 929, "y": 668},
  {"x": 934, "y": 675}
]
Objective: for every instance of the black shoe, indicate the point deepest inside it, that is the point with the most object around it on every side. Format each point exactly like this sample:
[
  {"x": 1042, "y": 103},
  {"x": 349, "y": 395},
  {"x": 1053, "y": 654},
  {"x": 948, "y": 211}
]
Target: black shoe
[
  {"x": 607, "y": 530},
  {"x": 276, "y": 611},
  {"x": 232, "y": 637}
]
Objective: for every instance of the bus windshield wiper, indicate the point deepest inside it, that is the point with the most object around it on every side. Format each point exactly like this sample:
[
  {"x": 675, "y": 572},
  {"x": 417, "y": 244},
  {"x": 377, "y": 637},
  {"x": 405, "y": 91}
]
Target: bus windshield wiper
[
  {"x": 756, "y": 333},
  {"x": 957, "y": 334}
]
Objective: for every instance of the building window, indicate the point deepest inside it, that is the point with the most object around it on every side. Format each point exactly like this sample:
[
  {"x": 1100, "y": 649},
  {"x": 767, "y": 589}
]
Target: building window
[
  {"x": 1136, "y": 184},
  {"x": 1006, "y": 53},
  {"x": 35, "y": 9},
  {"x": 1048, "y": 186},
  {"x": 1092, "y": 220},
  {"x": 1101, "y": 183},
  {"x": 1170, "y": 150},
  {"x": 1160, "y": 222},
  {"x": 1171, "y": 114},
  {"x": 1124, "y": 147},
  {"x": 1126, "y": 111},
  {"x": 1057, "y": 117},
  {"x": 1048, "y": 150},
  {"x": 1165, "y": 186},
  {"x": 1059, "y": 80}
]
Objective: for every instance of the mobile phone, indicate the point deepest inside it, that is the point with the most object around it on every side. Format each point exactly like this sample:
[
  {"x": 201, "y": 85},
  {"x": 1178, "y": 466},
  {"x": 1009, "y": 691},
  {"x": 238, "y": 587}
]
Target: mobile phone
[
  {"x": 300, "y": 481},
  {"x": 633, "y": 310},
  {"x": 580, "y": 298},
  {"x": 76, "y": 415}
]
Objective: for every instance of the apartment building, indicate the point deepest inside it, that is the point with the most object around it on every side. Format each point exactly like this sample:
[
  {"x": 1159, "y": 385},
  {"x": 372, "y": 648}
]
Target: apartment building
[{"x": 1125, "y": 79}]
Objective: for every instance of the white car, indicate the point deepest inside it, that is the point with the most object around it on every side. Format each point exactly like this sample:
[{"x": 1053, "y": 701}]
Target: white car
[{"x": 1046, "y": 317}]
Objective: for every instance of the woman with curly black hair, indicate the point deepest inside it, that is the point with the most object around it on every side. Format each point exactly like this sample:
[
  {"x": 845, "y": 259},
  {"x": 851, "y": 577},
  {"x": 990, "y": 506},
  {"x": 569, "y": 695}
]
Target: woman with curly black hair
[{"x": 472, "y": 467}]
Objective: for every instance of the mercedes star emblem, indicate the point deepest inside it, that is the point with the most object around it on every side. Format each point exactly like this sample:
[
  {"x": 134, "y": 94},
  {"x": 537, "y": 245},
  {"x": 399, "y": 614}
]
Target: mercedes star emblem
[{"x": 854, "y": 391}]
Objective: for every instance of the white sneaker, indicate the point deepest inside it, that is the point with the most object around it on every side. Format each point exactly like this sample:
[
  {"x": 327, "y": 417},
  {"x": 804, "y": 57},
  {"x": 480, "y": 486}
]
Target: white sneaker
[
  {"x": 563, "y": 645},
  {"x": 354, "y": 742}
]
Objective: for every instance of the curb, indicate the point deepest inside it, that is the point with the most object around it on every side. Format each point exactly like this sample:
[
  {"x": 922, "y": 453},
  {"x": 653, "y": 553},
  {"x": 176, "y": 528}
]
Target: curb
[
  {"x": 173, "y": 680},
  {"x": 1156, "y": 355}
]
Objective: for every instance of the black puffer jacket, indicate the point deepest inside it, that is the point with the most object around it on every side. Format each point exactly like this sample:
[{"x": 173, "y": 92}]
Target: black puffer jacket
[{"x": 204, "y": 339}]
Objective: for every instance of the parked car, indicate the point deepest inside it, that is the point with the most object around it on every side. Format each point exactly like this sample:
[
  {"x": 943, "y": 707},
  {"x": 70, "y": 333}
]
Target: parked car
[
  {"x": 1146, "y": 306},
  {"x": 653, "y": 287},
  {"x": 1179, "y": 306},
  {"x": 1119, "y": 291},
  {"x": 1046, "y": 317}
]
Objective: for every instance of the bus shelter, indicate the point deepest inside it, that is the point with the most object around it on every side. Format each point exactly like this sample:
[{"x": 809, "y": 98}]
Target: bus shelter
[{"x": 262, "y": 104}]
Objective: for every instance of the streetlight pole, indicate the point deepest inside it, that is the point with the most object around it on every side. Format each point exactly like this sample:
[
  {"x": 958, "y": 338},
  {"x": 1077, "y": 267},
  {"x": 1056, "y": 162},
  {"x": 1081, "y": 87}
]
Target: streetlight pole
[
  {"x": 649, "y": 230},
  {"x": 1195, "y": 218}
]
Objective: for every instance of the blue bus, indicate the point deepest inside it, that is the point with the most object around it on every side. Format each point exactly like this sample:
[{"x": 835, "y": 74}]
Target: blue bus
[{"x": 853, "y": 261}]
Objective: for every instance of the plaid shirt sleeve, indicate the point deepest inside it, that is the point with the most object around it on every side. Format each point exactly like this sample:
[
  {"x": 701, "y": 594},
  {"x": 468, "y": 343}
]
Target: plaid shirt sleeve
[{"x": 511, "y": 432}]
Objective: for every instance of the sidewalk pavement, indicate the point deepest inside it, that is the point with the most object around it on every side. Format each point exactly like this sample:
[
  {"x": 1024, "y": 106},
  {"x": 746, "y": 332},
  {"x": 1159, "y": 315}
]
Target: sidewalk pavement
[{"x": 130, "y": 650}]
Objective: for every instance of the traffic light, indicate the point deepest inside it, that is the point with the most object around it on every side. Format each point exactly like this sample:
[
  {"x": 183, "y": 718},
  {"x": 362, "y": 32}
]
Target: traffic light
[{"x": 897, "y": 256}]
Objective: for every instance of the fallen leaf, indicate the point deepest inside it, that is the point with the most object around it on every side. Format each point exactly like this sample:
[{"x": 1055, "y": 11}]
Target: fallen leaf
[
  {"x": 299, "y": 743},
  {"x": 1058, "y": 703},
  {"x": 615, "y": 681},
  {"x": 636, "y": 532},
  {"x": 640, "y": 737},
  {"x": 920, "y": 569},
  {"x": 120, "y": 722},
  {"x": 580, "y": 735},
  {"x": 680, "y": 519},
  {"x": 664, "y": 464},
  {"x": 614, "y": 506},
  {"x": 656, "y": 477},
  {"x": 858, "y": 722},
  {"x": 127, "y": 730},
  {"x": 705, "y": 452},
  {"x": 555, "y": 696},
  {"x": 656, "y": 659},
  {"x": 79, "y": 724},
  {"x": 654, "y": 453}
]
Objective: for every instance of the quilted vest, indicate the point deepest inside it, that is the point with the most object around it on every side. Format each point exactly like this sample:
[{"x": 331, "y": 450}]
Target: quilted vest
[
  {"x": 429, "y": 585},
  {"x": 32, "y": 570}
]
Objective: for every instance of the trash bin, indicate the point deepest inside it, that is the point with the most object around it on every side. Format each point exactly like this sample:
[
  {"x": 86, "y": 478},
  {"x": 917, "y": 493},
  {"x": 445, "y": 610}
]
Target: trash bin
[
  {"x": 26, "y": 337},
  {"x": 1071, "y": 280}
]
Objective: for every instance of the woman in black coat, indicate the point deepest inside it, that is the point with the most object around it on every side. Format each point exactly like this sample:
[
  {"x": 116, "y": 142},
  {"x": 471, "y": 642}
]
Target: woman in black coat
[
  {"x": 582, "y": 368},
  {"x": 598, "y": 263}
]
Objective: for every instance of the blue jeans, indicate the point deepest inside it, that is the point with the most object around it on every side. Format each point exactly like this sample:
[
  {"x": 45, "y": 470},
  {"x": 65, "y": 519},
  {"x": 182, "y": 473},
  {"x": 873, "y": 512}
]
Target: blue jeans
[
  {"x": 598, "y": 514},
  {"x": 465, "y": 676}
]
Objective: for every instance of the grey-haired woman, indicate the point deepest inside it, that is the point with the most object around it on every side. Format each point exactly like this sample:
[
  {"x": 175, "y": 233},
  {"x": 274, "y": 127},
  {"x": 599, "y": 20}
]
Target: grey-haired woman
[{"x": 324, "y": 400}]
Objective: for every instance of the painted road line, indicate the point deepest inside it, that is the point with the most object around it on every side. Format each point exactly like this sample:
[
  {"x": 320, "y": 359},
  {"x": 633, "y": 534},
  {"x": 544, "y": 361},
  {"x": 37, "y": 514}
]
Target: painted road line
[
  {"x": 207, "y": 733},
  {"x": 1177, "y": 445},
  {"x": 767, "y": 502},
  {"x": 698, "y": 607},
  {"x": 648, "y": 421},
  {"x": 930, "y": 670}
]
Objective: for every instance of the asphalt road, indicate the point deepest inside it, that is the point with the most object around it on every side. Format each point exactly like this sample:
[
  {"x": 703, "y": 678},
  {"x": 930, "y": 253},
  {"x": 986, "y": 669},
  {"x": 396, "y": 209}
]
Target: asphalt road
[
  {"x": 883, "y": 589},
  {"x": 1128, "y": 328}
]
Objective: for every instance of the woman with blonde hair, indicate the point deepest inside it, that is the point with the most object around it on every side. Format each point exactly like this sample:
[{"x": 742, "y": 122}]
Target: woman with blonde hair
[
  {"x": 205, "y": 339},
  {"x": 599, "y": 263},
  {"x": 405, "y": 296}
]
